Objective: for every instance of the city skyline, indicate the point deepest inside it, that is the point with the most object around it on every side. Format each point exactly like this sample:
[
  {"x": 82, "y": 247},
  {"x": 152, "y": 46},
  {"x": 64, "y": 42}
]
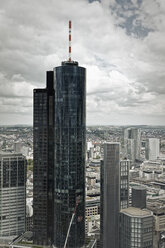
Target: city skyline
[{"x": 123, "y": 50}]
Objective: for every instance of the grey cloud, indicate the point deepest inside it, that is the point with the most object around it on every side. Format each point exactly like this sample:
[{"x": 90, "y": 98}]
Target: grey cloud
[{"x": 123, "y": 73}]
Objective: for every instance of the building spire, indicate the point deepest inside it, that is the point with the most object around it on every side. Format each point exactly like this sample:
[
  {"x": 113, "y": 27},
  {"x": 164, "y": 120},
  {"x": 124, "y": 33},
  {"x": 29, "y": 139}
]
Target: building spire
[{"x": 70, "y": 26}]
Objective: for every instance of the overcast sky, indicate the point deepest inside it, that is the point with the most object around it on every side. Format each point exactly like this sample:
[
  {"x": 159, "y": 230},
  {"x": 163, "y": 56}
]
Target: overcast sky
[{"x": 120, "y": 42}]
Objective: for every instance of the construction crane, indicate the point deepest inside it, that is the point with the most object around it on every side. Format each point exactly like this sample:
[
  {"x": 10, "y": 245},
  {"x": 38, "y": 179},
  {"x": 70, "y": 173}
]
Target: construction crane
[{"x": 74, "y": 212}]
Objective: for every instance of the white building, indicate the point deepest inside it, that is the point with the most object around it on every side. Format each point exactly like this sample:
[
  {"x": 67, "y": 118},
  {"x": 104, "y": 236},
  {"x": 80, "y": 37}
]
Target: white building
[
  {"x": 152, "y": 148},
  {"x": 12, "y": 194}
]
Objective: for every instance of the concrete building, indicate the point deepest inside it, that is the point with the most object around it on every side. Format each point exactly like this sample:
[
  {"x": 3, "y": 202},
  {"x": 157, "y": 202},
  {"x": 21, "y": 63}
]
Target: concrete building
[
  {"x": 158, "y": 209},
  {"x": 124, "y": 183},
  {"x": 12, "y": 194},
  {"x": 110, "y": 196},
  {"x": 152, "y": 148},
  {"x": 92, "y": 209},
  {"x": 136, "y": 228}
]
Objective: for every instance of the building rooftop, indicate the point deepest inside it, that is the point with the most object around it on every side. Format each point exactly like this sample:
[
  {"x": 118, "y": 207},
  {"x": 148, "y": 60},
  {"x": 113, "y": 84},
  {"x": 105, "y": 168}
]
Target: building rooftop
[
  {"x": 9, "y": 154},
  {"x": 139, "y": 187},
  {"x": 69, "y": 63},
  {"x": 136, "y": 212}
]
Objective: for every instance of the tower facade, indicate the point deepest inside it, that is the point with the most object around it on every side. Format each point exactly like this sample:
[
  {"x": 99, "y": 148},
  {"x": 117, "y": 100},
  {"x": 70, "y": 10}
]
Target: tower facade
[
  {"x": 43, "y": 174},
  {"x": 124, "y": 183},
  {"x": 12, "y": 194},
  {"x": 132, "y": 143},
  {"x": 70, "y": 148},
  {"x": 110, "y": 197},
  {"x": 152, "y": 148}
]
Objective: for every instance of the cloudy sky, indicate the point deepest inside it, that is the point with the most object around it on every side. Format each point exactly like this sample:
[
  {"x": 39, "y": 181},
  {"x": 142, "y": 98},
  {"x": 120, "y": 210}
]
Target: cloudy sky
[{"x": 120, "y": 42}]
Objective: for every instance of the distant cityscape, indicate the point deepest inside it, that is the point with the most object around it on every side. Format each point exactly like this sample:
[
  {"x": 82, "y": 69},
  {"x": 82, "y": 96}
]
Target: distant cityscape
[{"x": 142, "y": 186}]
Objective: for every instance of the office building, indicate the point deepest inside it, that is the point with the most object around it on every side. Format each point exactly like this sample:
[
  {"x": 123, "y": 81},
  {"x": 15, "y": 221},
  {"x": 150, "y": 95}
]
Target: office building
[
  {"x": 43, "y": 173},
  {"x": 12, "y": 194},
  {"x": 152, "y": 148},
  {"x": 130, "y": 150},
  {"x": 110, "y": 196},
  {"x": 124, "y": 183},
  {"x": 132, "y": 143},
  {"x": 59, "y": 156},
  {"x": 70, "y": 152},
  {"x": 136, "y": 228},
  {"x": 139, "y": 197}
]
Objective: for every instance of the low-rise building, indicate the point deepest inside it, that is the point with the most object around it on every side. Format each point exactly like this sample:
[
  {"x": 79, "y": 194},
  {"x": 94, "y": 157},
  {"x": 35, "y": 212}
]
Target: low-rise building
[{"x": 136, "y": 228}]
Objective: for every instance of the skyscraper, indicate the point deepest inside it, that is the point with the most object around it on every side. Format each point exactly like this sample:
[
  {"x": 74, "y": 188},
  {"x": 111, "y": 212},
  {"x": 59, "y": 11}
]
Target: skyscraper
[
  {"x": 152, "y": 148},
  {"x": 132, "y": 143},
  {"x": 43, "y": 174},
  {"x": 12, "y": 194},
  {"x": 70, "y": 148},
  {"x": 59, "y": 156},
  {"x": 124, "y": 183},
  {"x": 110, "y": 202}
]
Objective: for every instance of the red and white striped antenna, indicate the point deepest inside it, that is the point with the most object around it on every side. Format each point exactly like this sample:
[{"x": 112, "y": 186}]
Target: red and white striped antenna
[{"x": 70, "y": 27}]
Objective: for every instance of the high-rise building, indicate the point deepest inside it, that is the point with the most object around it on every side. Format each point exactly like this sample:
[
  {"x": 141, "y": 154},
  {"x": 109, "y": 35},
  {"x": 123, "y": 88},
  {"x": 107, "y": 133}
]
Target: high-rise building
[
  {"x": 124, "y": 183},
  {"x": 136, "y": 228},
  {"x": 130, "y": 150},
  {"x": 70, "y": 152},
  {"x": 152, "y": 148},
  {"x": 59, "y": 156},
  {"x": 12, "y": 194},
  {"x": 110, "y": 196},
  {"x": 139, "y": 197},
  {"x": 133, "y": 134},
  {"x": 43, "y": 174}
]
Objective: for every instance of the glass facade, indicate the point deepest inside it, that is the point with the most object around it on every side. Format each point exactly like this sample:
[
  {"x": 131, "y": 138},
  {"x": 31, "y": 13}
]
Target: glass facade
[
  {"x": 139, "y": 197},
  {"x": 43, "y": 186},
  {"x": 70, "y": 146},
  {"x": 124, "y": 183}
]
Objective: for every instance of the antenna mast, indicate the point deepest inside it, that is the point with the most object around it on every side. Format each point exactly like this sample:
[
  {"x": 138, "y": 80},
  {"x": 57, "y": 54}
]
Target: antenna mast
[{"x": 70, "y": 26}]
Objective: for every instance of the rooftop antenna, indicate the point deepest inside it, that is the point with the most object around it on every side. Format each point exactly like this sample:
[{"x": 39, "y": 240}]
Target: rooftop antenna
[{"x": 70, "y": 26}]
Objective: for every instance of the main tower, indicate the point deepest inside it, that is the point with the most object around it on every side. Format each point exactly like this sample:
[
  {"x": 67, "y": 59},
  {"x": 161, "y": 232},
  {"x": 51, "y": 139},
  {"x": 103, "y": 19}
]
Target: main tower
[
  {"x": 70, "y": 147},
  {"x": 59, "y": 157},
  {"x": 70, "y": 128}
]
